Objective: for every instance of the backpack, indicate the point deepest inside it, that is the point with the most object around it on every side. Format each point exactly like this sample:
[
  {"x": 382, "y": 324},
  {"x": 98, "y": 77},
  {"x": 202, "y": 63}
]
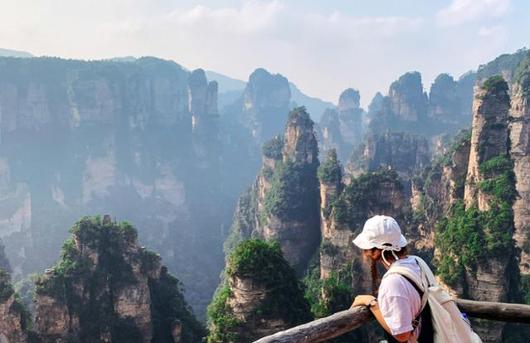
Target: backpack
[{"x": 449, "y": 326}]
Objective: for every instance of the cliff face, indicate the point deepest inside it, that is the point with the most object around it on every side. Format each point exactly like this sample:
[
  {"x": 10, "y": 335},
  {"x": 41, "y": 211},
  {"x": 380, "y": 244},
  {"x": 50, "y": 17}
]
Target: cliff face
[
  {"x": 260, "y": 296},
  {"x": 78, "y": 137},
  {"x": 106, "y": 288},
  {"x": 444, "y": 102},
  {"x": 283, "y": 203},
  {"x": 344, "y": 209},
  {"x": 405, "y": 153},
  {"x": 15, "y": 320},
  {"x": 489, "y": 136},
  {"x": 266, "y": 101},
  {"x": 407, "y": 101},
  {"x": 407, "y": 108},
  {"x": 329, "y": 130},
  {"x": 350, "y": 116},
  {"x": 440, "y": 186},
  {"x": 340, "y": 272},
  {"x": 342, "y": 129},
  {"x": 520, "y": 154},
  {"x": 468, "y": 193}
]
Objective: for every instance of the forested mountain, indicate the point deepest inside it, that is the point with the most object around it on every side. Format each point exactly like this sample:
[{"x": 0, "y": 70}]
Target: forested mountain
[{"x": 193, "y": 166}]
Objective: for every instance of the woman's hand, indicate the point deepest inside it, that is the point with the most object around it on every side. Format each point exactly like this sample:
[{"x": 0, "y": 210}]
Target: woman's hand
[{"x": 363, "y": 300}]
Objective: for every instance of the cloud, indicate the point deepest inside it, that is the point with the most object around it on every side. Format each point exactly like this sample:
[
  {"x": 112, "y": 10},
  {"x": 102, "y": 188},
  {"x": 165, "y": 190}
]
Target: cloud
[
  {"x": 463, "y": 11},
  {"x": 321, "y": 51}
]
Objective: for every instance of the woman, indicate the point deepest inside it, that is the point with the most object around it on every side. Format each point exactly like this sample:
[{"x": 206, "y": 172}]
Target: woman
[{"x": 398, "y": 307}]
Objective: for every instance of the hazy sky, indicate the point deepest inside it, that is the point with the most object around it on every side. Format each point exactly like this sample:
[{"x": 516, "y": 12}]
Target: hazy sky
[{"x": 322, "y": 46}]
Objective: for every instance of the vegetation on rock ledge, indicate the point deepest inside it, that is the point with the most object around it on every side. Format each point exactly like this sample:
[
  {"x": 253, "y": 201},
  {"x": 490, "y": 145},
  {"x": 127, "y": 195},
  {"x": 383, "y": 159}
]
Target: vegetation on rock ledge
[
  {"x": 100, "y": 259},
  {"x": 264, "y": 265},
  {"x": 468, "y": 236}
]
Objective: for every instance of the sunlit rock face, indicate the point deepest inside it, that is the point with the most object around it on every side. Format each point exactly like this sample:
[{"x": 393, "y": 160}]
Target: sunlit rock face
[
  {"x": 489, "y": 138},
  {"x": 282, "y": 204},
  {"x": 520, "y": 154},
  {"x": 458, "y": 186},
  {"x": 138, "y": 139}
]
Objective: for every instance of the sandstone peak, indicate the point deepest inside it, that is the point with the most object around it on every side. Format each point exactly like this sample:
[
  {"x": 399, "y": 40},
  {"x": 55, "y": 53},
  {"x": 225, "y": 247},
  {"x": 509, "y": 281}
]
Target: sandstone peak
[
  {"x": 105, "y": 286},
  {"x": 300, "y": 141},
  {"x": 261, "y": 295},
  {"x": 349, "y": 100},
  {"x": 376, "y": 105}
]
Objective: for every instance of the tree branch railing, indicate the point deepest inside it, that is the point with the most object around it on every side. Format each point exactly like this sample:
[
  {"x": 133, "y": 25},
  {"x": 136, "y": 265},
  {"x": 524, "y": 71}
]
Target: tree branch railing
[{"x": 345, "y": 321}]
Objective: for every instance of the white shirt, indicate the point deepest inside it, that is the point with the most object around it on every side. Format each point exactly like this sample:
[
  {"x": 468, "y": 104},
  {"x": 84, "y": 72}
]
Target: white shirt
[{"x": 398, "y": 300}]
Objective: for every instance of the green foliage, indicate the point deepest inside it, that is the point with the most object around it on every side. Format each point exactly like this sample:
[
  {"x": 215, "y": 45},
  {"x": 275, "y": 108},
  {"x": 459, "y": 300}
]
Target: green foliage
[
  {"x": 150, "y": 261},
  {"x": 110, "y": 244},
  {"x": 353, "y": 206},
  {"x": 264, "y": 264},
  {"x": 330, "y": 171},
  {"x": 221, "y": 318},
  {"x": 500, "y": 181},
  {"x": 293, "y": 191},
  {"x": 522, "y": 75},
  {"x": 333, "y": 294},
  {"x": 6, "y": 292},
  {"x": 6, "y": 289},
  {"x": 469, "y": 236},
  {"x": 495, "y": 84},
  {"x": 273, "y": 148},
  {"x": 462, "y": 138},
  {"x": 503, "y": 63},
  {"x": 299, "y": 114},
  {"x": 169, "y": 307}
]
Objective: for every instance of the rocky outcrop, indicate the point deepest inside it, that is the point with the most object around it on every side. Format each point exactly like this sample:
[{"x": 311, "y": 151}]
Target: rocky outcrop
[
  {"x": 468, "y": 193},
  {"x": 78, "y": 137},
  {"x": 444, "y": 102},
  {"x": 106, "y": 287},
  {"x": 265, "y": 104},
  {"x": 260, "y": 296},
  {"x": 345, "y": 208},
  {"x": 407, "y": 108},
  {"x": 350, "y": 116},
  {"x": 342, "y": 129},
  {"x": 520, "y": 155},
  {"x": 14, "y": 318},
  {"x": 407, "y": 100},
  {"x": 505, "y": 66},
  {"x": 489, "y": 136},
  {"x": 329, "y": 129},
  {"x": 283, "y": 203},
  {"x": 442, "y": 184},
  {"x": 405, "y": 153}
]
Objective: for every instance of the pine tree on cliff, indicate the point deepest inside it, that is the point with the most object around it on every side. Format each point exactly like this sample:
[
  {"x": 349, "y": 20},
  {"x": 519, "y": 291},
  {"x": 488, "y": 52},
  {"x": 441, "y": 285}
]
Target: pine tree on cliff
[{"x": 261, "y": 295}]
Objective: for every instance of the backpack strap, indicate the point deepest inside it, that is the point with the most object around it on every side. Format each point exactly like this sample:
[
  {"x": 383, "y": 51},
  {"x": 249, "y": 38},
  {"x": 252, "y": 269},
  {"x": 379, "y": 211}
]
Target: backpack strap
[
  {"x": 421, "y": 286},
  {"x": 416, "y": 320}
]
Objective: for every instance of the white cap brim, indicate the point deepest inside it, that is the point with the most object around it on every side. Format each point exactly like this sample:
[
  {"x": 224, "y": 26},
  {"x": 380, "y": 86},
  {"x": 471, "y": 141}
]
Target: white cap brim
[{"x": 364, "y": 243}]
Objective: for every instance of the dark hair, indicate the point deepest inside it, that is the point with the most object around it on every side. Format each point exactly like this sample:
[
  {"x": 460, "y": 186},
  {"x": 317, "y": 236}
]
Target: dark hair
[{"x": 389, "y": 257}]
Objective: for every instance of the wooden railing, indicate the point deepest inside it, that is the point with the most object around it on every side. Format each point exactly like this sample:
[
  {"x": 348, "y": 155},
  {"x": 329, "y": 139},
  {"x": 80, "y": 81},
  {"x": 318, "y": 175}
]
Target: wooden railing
[{"x": 343, "y": 322}]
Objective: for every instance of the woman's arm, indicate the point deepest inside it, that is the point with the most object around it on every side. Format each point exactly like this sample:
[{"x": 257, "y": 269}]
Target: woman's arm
[{"x": 371, "y": 302}]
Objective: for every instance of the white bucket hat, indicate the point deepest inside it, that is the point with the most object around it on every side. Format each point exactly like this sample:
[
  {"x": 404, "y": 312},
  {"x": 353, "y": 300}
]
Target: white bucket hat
[{"x": 381, "y": 232}]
